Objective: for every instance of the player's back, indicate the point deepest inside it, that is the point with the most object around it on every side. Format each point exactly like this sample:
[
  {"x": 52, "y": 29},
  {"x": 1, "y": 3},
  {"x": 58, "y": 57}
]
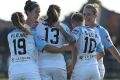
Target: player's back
[
  {"x": 86, "y": 43},
  {"x": 54, "y": 37},
  {"x": 22, "y": 49}
]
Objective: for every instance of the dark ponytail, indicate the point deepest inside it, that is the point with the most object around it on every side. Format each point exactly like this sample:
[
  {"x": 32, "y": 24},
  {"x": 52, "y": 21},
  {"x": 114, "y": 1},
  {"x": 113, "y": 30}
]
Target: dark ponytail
[{"x": 52, "y": 14}]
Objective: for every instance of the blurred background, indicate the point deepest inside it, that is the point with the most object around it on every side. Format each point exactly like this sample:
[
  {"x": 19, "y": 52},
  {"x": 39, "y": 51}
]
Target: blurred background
[{"x": 109, "y": 17}]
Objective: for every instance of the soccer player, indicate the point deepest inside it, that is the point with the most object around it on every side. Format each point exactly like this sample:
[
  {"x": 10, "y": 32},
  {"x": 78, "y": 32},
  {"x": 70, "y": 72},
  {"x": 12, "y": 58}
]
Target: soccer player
[
  {"x": 52, "y": 65},
  {"x": 71, "y": 43},
  {"x": 23, "y": 49},
  {"x": 86, "y": 67},
  {"x": 90, "y": 13},
  {"x": 32, "y": 11}
]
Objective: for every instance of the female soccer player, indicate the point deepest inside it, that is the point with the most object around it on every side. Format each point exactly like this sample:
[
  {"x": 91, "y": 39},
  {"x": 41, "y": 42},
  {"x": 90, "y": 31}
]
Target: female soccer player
[
  {"x": 50, "y": 33},
  {"x": 90, "y": 13},
  {"x": 23, "y": 49},
  {"x": 86, "y": 67}
]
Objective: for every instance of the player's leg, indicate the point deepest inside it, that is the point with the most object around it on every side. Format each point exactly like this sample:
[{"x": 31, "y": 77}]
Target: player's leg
[
  {"x": 15, "y": 77},
  {"x": 45, "y": 74},
  {"x": 75, "y": 76},
  {"x": 79, "y": 72},
  {"x": 86, "y": 72},
  {"x": 67, "y": 57},
  {"x": 59, "y": 74},
  {"x": 32, "y": 76},
  {"x": 95, "y": 72}
]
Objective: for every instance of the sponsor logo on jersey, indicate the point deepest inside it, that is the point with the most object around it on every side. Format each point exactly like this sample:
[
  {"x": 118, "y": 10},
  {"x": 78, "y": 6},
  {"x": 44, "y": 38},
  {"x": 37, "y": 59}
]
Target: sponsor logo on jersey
[
  {"x": 75, "y": 31},
  {"x": 20, "y": 59}
]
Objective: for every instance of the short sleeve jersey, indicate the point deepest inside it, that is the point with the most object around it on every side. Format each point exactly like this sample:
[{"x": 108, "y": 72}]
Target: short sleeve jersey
[
  {"x": 87, "y": 40},
  {"x": 54, "y": 37},
  {"x": 23, "y": 50}
]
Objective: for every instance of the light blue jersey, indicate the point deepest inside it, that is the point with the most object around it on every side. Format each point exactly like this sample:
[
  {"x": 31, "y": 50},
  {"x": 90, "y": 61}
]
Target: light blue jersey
[
  {"x": 87, "y": 44},
  {"x": 23, "y": 50},
  {"x": 40, "y": 44},
  {"x": 107, "y": 42},
  {"x": 88, "y": 40},
  {"x": 105, "y": 37},
  {"x": 54, "y": 37}
]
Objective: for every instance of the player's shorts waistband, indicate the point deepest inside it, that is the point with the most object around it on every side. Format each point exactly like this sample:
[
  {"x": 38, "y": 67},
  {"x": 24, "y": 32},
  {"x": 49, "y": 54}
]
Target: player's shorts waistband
[{"x": 86, "y": 57}]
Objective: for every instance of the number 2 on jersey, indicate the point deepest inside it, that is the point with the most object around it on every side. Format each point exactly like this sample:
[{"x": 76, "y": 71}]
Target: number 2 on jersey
[{"x": 19, "y": 46}]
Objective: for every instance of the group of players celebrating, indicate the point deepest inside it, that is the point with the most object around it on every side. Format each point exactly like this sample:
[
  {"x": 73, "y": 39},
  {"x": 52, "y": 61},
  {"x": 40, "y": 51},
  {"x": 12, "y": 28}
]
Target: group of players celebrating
[{"x": 37, "y": 46}]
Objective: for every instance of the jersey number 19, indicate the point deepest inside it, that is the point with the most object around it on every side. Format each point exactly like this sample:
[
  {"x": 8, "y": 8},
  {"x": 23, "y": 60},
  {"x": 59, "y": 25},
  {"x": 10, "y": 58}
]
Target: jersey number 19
[{"x": 19, "y": 46}]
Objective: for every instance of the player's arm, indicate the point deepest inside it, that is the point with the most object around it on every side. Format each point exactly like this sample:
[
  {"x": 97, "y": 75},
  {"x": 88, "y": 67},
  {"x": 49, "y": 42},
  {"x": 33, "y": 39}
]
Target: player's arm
[
  {"x": 67, "y": 35},
  {"x": 39, "y": 43},
  {"x": 53, "y": 49},
  {"x": 100, "y": 51},
  {"x": 43, "y": 45},
  {"x": 106, "y": 40},
  {"x": 100, "y": 55},
  {"x": 115, "y": 53},
  {"x": 73, "y": 53},
  {"x": 71, "y": 38},
  {"x": 71, "y": 65}
]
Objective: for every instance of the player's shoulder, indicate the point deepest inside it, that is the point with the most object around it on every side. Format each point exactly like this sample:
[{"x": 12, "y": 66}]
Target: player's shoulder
[
  {"x": 41, "y": 24},
  {"x": 63, "y": 25},
  {"x": 100, "y": 27},
  {"x": 78, "y": 29},
  {"x": 13, "y": 31},
  {"x": 83, "y": 27}
]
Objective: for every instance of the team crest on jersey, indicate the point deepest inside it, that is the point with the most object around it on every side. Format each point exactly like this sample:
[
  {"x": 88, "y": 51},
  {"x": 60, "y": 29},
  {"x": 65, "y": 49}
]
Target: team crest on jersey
[
  {"x": 75, "y": 31},
  {"x": 108, "y": 38}
]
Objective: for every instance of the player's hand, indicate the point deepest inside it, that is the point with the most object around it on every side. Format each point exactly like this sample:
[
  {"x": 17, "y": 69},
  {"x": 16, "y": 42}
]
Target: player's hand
[{"x": 57, "y": 25}]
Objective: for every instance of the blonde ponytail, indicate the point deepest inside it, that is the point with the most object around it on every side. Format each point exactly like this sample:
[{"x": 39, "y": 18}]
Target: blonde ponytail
[{"x": 17, "y": 20}]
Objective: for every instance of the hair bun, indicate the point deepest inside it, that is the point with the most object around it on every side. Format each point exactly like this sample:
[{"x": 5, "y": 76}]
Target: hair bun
[{"x": 28, "y": 2}]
